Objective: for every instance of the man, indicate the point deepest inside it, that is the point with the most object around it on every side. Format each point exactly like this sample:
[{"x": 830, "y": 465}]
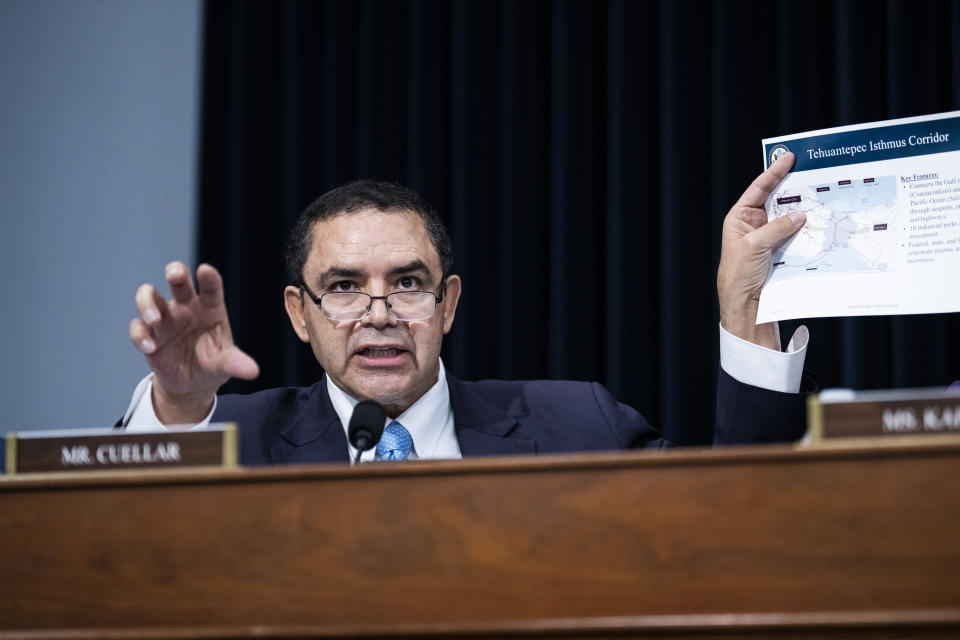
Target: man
[{"x": 373, "y": 294}]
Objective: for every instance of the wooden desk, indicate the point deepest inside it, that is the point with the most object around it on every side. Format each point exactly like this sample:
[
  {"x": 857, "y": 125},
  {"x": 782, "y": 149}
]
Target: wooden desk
[{"x": 756, "y": 542}]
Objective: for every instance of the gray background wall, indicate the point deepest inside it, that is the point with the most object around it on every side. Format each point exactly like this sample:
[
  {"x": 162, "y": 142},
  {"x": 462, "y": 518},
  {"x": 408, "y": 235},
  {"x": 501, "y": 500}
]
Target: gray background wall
[{"x": 98, "y": 152}]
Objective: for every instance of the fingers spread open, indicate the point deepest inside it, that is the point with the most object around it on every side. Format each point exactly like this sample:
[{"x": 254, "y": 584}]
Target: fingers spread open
[
  {"x": 210, "y": 286},
  {"x": 140, "y": 336},
  {"x": 150, "y": 304},
  {"x": 181, "y": 284},
  {"x": 756, "y": 194}
]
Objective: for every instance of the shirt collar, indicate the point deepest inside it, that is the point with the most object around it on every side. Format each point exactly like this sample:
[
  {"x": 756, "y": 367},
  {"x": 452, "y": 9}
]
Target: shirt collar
[{"x": 425, "y": 419}]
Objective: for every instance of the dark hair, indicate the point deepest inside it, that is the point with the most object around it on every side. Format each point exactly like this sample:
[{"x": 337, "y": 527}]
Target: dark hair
[{"x": 388, "y": 197}]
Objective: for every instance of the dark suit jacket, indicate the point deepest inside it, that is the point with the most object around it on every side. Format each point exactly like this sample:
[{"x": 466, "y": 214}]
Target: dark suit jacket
[{"x": 495, "y": 417}]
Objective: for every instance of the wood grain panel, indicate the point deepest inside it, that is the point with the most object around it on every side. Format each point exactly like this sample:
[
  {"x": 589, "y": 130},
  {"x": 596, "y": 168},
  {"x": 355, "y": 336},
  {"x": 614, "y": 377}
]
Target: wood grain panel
[{"x": 497, "y": 547}]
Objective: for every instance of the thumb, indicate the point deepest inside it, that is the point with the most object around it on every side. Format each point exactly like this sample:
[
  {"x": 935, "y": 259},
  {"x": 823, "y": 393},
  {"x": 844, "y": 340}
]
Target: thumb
[
  {"x": 237, "y": 364},
  {"x": 779, "y": 229}
]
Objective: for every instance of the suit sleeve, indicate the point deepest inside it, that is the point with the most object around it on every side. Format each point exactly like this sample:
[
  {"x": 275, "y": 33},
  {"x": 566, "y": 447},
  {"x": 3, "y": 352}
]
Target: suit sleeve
[
  {"x": 747, "y": 414},
  {"x": 629, "y": 427}
]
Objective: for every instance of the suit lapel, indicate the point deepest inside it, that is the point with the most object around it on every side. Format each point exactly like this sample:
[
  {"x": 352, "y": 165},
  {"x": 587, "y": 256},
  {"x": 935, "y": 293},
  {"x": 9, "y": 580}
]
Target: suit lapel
[
  {"x": 315, "y": 434},
  {"x": 482, "y": 429}
]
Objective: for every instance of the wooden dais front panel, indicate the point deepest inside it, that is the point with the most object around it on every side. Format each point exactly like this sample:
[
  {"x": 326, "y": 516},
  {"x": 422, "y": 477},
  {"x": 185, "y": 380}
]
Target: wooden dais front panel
[{"x": 690, "y": 543}]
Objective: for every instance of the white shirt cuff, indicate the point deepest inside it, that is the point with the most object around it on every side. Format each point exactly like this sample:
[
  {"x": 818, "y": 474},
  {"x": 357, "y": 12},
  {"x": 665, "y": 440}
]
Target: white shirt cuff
[
  {"x": 141, "y": 416},
  {"x": 765, "y": 368}
]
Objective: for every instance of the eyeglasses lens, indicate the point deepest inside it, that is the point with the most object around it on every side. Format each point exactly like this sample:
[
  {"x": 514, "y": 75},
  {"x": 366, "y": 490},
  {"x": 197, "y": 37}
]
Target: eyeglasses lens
[{"x": 404, "y": 305}]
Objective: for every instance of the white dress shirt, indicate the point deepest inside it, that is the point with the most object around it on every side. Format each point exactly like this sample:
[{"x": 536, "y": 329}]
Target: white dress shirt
[{"x": 430, "y": 419}]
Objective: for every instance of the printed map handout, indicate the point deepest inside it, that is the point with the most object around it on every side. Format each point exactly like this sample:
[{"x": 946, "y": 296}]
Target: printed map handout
[{"x": 882, "y": 234}]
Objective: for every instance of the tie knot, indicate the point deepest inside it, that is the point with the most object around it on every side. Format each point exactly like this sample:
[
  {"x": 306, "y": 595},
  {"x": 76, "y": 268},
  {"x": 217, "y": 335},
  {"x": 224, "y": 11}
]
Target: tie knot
[{"x": 395, "y": 443}]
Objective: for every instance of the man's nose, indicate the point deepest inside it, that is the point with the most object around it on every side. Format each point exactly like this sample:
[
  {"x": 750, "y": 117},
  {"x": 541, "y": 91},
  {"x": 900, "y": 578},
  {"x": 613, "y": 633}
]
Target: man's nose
[{"x": 379, "y": 314}]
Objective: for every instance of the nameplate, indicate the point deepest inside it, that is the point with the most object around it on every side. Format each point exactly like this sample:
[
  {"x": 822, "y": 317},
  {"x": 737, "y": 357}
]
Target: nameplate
[
  {"x": 83, "y": 450},
  {"x": 885, "y": 416}
]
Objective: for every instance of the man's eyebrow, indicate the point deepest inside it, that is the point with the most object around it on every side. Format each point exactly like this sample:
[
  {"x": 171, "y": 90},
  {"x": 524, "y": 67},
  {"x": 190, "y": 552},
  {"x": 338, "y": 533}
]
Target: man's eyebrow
[
  {"x": 334, "y": 273},
  {"x": 337, "y": 273},
  {"x": 411, "y": 267}
]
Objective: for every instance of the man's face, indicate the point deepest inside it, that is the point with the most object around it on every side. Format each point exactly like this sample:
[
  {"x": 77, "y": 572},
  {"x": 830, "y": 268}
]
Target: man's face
[{"x": 376, "y": 357}]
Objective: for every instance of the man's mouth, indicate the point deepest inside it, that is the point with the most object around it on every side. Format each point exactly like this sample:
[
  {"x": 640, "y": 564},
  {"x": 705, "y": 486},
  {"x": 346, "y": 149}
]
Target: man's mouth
[{"x": 380, "y": 352}]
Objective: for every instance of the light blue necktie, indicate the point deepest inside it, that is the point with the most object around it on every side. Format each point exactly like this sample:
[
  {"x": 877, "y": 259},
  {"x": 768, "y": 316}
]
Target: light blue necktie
[{"x": 395, "y": 443}]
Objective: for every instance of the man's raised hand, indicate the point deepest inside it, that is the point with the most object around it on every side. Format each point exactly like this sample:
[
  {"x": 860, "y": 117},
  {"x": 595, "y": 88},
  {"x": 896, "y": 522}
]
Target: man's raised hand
[
  {"x": 188, "y": 343},
  {"x": 747, "y": 249}
]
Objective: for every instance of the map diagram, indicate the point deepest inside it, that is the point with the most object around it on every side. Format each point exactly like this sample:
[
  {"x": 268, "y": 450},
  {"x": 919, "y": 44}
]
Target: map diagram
[{"x": 851, "y": 227}]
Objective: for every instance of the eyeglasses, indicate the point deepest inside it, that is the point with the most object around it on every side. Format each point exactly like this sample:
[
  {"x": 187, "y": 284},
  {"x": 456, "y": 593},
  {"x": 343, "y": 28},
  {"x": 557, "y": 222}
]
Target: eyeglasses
[{"x": 349, "y": 306}]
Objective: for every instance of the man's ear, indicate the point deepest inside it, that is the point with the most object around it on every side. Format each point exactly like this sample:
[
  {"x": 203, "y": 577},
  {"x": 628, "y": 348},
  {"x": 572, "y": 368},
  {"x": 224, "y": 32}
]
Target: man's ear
[
  {"x": 450, "y": 299},
  {"x": 293, "y": 302}
]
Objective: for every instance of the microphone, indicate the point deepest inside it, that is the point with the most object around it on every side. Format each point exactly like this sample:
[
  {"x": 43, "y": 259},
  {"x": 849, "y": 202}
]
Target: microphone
[{"x": 366, "y": 426}]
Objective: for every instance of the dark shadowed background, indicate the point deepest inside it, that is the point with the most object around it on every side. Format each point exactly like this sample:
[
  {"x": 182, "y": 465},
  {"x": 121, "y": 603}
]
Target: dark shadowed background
[{"x": 583, "y": 154}]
